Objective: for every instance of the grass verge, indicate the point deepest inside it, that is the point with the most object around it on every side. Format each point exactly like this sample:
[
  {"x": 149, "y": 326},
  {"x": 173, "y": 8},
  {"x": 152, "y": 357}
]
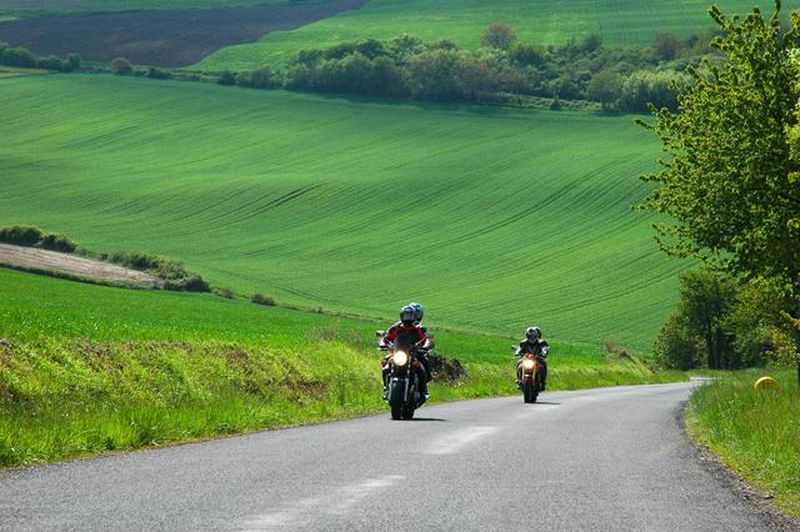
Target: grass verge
[
  {"x": 87, "y": 369},
  {"x": 757, "y": 434}
]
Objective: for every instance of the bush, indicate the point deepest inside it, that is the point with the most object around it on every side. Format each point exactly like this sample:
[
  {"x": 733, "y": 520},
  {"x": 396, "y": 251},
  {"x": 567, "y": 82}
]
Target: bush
[
  {"x": 26, "y": 235},
  {"x": 20, "y": 57},
  {"x": 157, "y": 73},
  {"x": 21, "y": 235},
  {"x": 227, "y": 293},
  {"x": 192, "y": 283},
  {"x": 227, "y": 78},
  {"x": 675, "y": 348},
  {"x": 72, "y": 63},
  {"x": 497, "y": 35},
  {"x": 50, "y": 63},
  {"x": 261, "y": 299},
  {"x": 57, "y": 243},
  {"x": 120, "y": 66}
]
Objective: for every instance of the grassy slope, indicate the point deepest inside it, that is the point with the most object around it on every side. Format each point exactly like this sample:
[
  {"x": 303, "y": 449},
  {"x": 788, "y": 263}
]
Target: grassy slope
[
  {"x": 624, "y": 22},
  {"x": 756, "y": 433},
  {"x": 493, "y": 218},
  {"x": 94, "y": 368}
]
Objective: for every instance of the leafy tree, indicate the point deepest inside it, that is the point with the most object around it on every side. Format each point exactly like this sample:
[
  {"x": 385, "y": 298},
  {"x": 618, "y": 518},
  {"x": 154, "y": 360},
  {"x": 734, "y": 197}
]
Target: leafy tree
[
  {"x": 20, "y": 57},
  {"x": 527, "y": 54},
  {"x": 498, "y": 35},
  {"x": 50, "y": 63},
  {"x": 591, "y": 43},
  {"x": 120, "y": 66},
  {"x": 227, "y": 78},
  {"x": 731, "y": 186},
  {"x": 605, "y": 88},
  {"x": 73, "y": 63},
  {"x": 666, "y": 46},
  {"x": 675, "y": 347}
]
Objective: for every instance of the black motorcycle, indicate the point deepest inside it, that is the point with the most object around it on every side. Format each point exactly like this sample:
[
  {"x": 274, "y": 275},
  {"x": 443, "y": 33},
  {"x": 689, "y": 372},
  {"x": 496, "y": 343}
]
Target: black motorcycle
[{"x": 402, "y": 371}]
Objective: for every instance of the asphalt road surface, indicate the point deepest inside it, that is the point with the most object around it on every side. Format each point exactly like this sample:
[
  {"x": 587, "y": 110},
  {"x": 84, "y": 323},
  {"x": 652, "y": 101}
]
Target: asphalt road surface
[{"x": 606, "y": 459}]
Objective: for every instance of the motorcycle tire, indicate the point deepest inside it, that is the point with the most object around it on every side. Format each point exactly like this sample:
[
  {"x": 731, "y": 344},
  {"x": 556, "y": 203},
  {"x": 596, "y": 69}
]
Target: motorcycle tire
[
  {"x": 396, "y": 400},
  {"x": 408, "y": 413},
  {"x": 527, "y": 391}
]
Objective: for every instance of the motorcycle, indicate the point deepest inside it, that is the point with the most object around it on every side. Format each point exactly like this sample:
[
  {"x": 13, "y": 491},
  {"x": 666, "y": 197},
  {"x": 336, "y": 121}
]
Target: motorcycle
[
  {"x": 402, "y": 369},
  {"x": 530, "y": 375}
]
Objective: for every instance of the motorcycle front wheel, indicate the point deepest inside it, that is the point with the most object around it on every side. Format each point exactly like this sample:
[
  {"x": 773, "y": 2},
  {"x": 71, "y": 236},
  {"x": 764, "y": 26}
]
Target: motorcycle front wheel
[{"x": 396, "y": 400}]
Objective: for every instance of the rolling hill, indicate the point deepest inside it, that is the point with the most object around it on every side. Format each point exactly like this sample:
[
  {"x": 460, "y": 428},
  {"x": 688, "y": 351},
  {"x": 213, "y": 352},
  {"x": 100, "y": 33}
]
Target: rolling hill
[
  {"x": 494, "y": 218},
  {"x": 626, "y": 22}
]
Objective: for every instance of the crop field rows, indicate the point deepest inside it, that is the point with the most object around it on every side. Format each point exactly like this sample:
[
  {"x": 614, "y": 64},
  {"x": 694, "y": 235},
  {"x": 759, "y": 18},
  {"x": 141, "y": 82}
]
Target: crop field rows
[{"x": 494, "y": 218}]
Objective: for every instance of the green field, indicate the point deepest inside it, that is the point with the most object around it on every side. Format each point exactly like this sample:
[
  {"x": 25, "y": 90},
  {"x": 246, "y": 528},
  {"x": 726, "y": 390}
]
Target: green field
[
  {"x": 625, "y": 22},
  {"x": 494, "y": 218},
  {"x": 86, "y": 369}
]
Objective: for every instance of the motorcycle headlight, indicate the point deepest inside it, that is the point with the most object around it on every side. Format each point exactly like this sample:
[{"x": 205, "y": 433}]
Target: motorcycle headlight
[
  {"x": 528, "y": 363},
  {"x": 400, "y": 358}
]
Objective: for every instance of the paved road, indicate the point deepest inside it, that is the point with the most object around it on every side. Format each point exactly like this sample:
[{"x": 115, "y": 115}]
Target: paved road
[{"x": 608, "y": 459}]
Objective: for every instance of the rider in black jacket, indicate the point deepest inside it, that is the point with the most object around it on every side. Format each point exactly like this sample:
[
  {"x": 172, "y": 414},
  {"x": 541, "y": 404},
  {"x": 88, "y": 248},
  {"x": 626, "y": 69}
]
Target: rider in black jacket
[{"x": 533, "y": 343}]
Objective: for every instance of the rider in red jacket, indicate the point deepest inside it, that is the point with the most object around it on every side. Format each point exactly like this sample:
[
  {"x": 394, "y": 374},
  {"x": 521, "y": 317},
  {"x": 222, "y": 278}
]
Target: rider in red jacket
[{"x": 407, "y": 334}]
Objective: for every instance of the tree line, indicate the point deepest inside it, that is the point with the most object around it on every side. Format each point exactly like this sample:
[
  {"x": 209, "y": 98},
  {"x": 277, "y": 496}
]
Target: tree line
[
  {"x": 626, "y": 79},
  {"x": 17, "y": 56},
  {"x": 730, "y": 190}
]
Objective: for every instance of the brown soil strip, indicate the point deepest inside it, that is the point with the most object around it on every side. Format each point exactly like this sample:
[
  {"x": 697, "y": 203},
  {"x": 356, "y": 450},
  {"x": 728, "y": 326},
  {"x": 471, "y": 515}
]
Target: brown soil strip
[
  {"x": 167, "y": 38},
  {"x": 62, "y": 264}
]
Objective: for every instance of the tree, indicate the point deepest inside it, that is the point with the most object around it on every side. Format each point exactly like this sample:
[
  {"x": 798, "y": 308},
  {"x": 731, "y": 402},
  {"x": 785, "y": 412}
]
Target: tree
[
  {"x": 120, "y": 66},
  {"x": 605, "y": 88},
  {"x": 227, "y": 78},
  {"x": 731, "y": 186},
  {"x": 20, "y": 57},
  {"x": 498, "y": 35},
  {"x": 666, "y": 46}
]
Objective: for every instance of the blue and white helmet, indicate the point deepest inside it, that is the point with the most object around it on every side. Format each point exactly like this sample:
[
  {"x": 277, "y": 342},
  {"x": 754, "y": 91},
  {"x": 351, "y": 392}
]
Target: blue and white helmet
[
  {"x": 408, "y": 314},
  {"x": 418, "y": 311}
]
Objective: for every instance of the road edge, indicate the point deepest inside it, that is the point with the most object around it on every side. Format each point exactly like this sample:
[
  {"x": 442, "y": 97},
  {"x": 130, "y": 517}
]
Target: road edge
[{"x": 755, "y": 498}]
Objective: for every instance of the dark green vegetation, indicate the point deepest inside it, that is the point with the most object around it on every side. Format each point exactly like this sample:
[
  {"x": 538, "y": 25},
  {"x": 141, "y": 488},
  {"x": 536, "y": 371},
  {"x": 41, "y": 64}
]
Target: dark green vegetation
[
  {"x": 755, "y": 432},
  {"x": 494, "y": 218},
  {"x": 626, "y": 79},
  {"x": 26, "y": 235},
  {"x": 18, "y": 56},
  {"x": 722, "y": 323},
  {"x": 86, "y": 369},
  {"x": 545, "y": 22},
  {"x": 730, "y": 187}
]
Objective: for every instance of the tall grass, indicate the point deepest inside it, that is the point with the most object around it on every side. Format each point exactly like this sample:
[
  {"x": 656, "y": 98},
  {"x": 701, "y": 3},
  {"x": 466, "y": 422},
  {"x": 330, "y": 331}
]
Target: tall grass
[{"x": 757, "y": 433}]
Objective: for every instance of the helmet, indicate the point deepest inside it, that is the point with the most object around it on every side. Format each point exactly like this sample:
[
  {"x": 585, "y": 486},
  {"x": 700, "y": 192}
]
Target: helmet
[
  {"x": 418, "y": 311},
  {"x": 533, "y": 333},
  {"x": 407, "y": 314}
]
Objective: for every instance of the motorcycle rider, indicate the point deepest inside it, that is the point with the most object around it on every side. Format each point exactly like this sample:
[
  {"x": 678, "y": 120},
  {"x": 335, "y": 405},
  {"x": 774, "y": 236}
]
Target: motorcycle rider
[
  {"x": 408, "y": 334},
  {"x": 533, "y": 343}
]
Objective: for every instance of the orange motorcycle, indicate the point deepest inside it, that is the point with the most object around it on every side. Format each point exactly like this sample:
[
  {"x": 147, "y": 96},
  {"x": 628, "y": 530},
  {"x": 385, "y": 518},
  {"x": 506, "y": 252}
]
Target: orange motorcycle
[{"x": 529, "y": 381}]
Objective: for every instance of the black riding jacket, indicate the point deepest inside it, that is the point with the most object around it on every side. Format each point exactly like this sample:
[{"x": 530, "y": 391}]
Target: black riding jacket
[{"x": 537, "y": 348}]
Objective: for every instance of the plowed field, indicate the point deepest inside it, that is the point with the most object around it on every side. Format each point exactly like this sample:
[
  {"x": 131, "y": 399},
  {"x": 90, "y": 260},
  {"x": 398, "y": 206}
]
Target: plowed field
[{"x": 162, "y": 37}]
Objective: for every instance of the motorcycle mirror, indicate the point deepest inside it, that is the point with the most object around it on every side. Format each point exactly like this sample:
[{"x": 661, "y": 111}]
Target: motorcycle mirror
[{"x": 380, "y": 333}]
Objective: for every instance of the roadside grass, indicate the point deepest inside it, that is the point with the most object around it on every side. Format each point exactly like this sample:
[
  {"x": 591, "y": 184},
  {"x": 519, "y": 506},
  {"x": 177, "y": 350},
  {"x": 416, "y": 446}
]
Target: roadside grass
[
  {"x": 495, "y": 218},
  {"x": 757, "y": 434},
  {"x": 86, "y": 369},
  {"x": 623, "y": 22}
]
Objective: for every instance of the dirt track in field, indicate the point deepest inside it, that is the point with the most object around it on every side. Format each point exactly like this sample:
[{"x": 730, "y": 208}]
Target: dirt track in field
[
  {"x": 167, "y": 38},
  {"x": 41, "y": 260}
]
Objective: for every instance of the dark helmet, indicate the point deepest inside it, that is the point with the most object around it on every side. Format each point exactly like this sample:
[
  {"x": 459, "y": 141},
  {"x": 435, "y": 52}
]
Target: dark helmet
[
  {"x": 407, "y": 314},
  {"x": 533, "y": 333},
  {"x": 418, "y": 311}
]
